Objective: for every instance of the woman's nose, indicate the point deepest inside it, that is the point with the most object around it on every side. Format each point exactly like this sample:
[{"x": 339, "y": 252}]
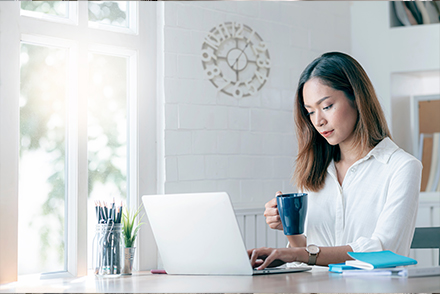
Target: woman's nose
[{"x": 320, "y": 120}]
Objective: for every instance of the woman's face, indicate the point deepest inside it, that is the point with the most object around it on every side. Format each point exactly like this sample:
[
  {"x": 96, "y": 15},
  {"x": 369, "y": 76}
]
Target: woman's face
[{"x": 330, "y": 111}]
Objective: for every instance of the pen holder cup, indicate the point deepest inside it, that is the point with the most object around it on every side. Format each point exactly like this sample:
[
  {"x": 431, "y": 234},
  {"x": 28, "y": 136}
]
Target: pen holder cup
[
  {"x": 129, "y": 258},
  {"x": 108, "y": 250}
]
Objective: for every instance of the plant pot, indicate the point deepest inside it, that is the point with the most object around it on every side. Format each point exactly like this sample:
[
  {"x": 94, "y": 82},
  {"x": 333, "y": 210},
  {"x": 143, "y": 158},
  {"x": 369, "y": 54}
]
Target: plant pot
[{"x": 128, "y": 260}]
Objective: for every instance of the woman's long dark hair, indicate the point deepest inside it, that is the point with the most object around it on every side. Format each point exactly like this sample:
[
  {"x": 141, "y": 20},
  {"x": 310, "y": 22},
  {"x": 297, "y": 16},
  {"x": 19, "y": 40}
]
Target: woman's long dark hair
[{"x": 340, "y": 72}]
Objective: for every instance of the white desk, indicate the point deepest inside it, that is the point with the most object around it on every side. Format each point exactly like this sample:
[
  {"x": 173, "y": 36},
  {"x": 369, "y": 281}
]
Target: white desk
[{"x": 316, "y": 281}]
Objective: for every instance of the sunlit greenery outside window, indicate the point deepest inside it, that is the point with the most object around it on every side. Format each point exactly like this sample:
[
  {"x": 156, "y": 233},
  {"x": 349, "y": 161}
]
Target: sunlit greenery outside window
[
  {"x": 56, "y": 8},
  {"x": 42, "y": 159},
  {"x": 107, "y": 134},
  {"x": 114, "y": 13},
  {"x": 43, "y": 137}
]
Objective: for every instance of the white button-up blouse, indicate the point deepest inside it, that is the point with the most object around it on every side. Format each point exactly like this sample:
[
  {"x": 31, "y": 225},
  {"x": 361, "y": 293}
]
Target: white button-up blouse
[{"x": 376, "y": 206}]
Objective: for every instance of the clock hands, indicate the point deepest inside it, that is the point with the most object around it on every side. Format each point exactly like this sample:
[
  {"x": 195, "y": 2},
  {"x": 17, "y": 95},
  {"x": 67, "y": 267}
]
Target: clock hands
[
  {"x": 236, "y": 60},
  {"x": 242, "y": 51}
]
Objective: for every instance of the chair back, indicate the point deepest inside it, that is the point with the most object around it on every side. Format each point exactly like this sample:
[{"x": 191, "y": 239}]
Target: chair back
[{"x": 425, "y": 238}]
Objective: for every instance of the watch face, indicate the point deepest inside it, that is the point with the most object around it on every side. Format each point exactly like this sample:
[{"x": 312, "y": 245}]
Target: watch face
[
  {"x": 235, "y": 59},
  {"x": 313, "y": 249}
]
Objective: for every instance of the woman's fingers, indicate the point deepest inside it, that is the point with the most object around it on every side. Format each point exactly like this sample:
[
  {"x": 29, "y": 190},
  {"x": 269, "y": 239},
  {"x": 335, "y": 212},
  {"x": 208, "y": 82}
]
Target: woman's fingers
[
  {"x": 249, "y": 252},
  {"x": 268, "y": 212},
  {"x": 253, "y": 257},
  {"x": 272, "y": 215},
  {"x": 267, "y": 254},
  {"x": 275, "y": 255},
  {"x": 274, "y": 222},
  {"x": 264, "y": 257},
  {"x": 271, "y": 204},
  {"x": 256, "y": 254}
]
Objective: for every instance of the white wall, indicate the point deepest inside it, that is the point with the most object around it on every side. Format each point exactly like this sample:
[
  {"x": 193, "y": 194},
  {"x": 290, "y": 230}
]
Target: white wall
[
  {"x": 401, "y": 61},
  {"x": 370, "y": 46},
  {"x": 403, "y": 86},
  {"x": 246, "y": 147}
]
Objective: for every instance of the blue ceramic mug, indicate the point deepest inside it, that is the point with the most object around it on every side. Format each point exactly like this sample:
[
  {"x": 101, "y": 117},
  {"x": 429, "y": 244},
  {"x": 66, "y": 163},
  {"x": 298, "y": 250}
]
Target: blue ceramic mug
[{"x": 292, "y": 209}]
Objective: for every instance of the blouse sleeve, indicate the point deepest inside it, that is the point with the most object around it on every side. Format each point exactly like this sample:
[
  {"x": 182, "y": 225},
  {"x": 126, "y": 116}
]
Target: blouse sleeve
[{"x": 396, "y": 224}]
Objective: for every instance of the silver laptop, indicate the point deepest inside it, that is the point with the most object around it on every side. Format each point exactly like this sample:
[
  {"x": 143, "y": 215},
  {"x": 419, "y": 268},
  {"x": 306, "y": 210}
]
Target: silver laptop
[{"x": 198, "y": 234}]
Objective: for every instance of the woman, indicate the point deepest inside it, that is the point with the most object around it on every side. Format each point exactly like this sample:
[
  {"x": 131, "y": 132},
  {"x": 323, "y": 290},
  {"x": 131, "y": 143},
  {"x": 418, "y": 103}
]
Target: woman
[{"x": 362, "y": 188}]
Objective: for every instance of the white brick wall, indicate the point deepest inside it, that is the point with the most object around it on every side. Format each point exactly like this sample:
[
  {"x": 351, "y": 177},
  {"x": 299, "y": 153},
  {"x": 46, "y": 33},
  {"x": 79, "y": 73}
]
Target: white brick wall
[{"x": 246, "y": 147}]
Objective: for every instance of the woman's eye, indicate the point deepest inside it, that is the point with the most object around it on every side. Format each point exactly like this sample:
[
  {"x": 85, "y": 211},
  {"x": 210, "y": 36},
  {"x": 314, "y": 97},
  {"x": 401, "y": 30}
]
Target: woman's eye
[
  {"x": 328, "y": 107},
  {"x": 310, "y": 113}
]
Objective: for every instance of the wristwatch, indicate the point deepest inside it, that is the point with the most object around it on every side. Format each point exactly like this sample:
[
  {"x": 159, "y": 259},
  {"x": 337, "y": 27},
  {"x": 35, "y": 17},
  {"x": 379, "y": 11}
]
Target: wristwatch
[{"x": 313, "y": 251}]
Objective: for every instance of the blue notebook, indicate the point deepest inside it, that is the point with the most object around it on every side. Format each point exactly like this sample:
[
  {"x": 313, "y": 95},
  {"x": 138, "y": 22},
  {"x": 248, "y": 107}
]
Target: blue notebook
[
  {"x": 378, "y": 259},
  {"x": 340, "y": 267}
]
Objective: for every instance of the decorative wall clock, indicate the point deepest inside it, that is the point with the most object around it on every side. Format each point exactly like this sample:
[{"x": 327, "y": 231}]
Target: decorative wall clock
[{"x": 235, "y": 59}]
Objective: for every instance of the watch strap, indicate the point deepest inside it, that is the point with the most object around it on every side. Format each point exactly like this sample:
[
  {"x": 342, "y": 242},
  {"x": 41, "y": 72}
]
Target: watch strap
[{"x": 312, "y": 258}]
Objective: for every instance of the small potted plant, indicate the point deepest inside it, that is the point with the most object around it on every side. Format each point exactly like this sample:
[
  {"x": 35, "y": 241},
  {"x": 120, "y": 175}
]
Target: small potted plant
[{"x": 129, "y": 232}]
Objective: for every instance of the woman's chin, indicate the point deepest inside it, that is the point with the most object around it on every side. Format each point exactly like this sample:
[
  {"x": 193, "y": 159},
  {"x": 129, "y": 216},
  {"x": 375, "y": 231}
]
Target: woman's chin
[{"x": 332, "y": 142}]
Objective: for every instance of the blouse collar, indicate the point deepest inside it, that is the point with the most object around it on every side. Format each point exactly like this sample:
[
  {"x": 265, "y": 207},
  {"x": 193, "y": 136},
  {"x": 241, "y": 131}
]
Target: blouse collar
[{"x": 382, "y": 152}]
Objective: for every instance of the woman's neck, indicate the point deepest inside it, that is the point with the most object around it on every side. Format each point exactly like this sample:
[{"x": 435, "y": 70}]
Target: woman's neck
[{"x": 350, "y": 154}]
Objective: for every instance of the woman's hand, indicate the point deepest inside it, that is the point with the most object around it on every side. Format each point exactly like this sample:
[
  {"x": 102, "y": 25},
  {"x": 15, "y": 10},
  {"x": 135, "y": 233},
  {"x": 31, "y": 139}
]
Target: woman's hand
[
  {"x": 271, "y": 213},
  {"x": 264, "y": 257}
]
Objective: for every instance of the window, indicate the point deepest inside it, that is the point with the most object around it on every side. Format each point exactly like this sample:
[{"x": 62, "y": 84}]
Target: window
[
  {"x": 69, "y": 125},
  {"x": 55, "y": 11},
  {"x": 118, "y": 16},
  {"x": 41, "y": 8},
  {"x": 108, "y": 129},
  {"x": 42, "y": 159}
]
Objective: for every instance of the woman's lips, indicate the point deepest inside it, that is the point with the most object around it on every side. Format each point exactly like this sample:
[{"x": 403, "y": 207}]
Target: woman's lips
[{"x": 326, "y": 134}]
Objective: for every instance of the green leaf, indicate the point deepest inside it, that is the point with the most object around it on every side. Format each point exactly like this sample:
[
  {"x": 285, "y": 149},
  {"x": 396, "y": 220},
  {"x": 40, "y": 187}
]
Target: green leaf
[{"x": 128, "y": 230}]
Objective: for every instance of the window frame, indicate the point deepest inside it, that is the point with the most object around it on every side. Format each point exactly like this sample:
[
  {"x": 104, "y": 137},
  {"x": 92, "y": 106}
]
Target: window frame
[
  {"x": 71, "y": 132},
  {"x": 141, "y": 118},
  {"x": 133, "y": 24},
  {"x": 72, "y": 17}
]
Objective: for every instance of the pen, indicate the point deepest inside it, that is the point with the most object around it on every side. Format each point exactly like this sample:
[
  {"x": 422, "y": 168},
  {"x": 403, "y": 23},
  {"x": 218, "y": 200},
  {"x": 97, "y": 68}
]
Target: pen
[
  {"x": 120, "y": 213},
  {"x": 112, "y": 209},
  {"x": 105, "y": 211},
  {"x": 100, "y": 213},
  {"x": 97, "y": 211},
  {"x": 116, "y": 252},
  {"x": 111, "y": 252}
]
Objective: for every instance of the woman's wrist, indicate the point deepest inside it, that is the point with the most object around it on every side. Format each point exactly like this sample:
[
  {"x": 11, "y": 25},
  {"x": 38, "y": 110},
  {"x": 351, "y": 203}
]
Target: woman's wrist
[
  {"x": 297, "y": 241},
  {"x": 301, "y": 254}
]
